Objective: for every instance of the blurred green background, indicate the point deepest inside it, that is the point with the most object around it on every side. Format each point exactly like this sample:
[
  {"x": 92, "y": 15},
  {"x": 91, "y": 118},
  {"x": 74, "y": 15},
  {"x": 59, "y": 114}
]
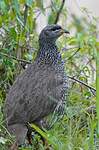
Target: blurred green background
[{"x": 20, "y": 23}]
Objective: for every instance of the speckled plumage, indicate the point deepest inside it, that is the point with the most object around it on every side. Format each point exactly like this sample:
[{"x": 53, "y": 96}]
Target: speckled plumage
[{"x": 39, "y": 89}]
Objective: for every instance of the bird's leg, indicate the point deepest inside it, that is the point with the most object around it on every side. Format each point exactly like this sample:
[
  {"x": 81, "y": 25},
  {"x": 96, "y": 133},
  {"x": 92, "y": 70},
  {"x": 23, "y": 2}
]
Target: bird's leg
[
  {"x": 14, "y": 146},
  {"x": 19, "y": 131},
  {"x": 29, "y": 136}
]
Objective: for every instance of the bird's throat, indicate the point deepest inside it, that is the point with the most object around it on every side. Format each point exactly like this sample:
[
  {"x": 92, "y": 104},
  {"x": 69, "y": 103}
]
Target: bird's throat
[{"x": 49, "y": 54}]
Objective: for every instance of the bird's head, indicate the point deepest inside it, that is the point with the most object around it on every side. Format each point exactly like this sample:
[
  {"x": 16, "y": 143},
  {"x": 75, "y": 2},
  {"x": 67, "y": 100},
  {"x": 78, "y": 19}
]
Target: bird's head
[{"x": 51, "y": 33}]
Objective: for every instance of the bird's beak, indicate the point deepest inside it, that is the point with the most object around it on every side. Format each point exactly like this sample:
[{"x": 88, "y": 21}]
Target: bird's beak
[{"x": 64, "y": 31}]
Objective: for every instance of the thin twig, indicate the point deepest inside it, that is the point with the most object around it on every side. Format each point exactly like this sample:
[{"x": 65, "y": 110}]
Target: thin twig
[
  {"x": 59, "y": 11},
  {"x": 17, "y": 59},
  {"x": 72, "y": 55},
  {"x": 83, "y": 83},
  {"x": 28, "y": 62},
  {"x": 68, "y": 48},
  {"x": 25, "y": 14}
]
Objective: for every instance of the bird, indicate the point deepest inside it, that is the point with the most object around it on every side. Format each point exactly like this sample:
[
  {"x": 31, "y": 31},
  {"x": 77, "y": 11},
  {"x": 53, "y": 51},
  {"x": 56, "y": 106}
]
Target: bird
[{"x": 39, "y": 90}]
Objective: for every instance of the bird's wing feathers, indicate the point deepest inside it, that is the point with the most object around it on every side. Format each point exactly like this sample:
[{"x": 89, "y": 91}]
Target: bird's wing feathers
[{"x": 33, "y": 94}]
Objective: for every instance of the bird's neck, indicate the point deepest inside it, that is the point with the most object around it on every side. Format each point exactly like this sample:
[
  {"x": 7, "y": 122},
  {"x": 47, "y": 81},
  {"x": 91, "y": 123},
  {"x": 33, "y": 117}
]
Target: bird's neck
[{"x": 48, "y": 53}]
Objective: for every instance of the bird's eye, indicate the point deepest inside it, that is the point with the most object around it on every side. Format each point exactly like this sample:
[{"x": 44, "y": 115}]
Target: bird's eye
[{"x": 55, "y": 28}]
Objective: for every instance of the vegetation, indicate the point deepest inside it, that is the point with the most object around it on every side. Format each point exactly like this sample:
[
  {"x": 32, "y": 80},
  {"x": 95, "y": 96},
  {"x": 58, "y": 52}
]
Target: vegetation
[{"x": 79, "y": 128}]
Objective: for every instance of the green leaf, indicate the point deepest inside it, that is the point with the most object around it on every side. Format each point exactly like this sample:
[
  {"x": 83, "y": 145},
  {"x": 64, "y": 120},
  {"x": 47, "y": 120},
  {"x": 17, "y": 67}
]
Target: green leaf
[
  {"x": 19, "y": 19},
  {"x": 51, "y": 18},
  {"x": 39, "y": 3},
  {"x": 86, "y": 71},
  {"x": 13, "y": 33},
  {"x": 29, "y": 56},
  {"x": 2, "y": 140},
  {"x": 97, "y": 44},
  {"x": 44, "y": 135},
  {"x": 17, "y": 11},
  {"x": 97, "y": 92},
  {"x": 3, "y": 6},
  {"x": 16, "y": 6}
]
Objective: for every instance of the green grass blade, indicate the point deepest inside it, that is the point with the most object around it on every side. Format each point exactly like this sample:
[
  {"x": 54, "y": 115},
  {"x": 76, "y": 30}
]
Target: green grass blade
[
  {"x": 97, "y": 87},
  {"x": 45, "y": 136}
]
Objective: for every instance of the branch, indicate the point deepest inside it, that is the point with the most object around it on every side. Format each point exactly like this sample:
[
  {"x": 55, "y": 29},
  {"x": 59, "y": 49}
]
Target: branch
[
  {"x": 25, "y": 14},
  {"x": 59, "y": 11},
  {"x": 68, "y": 48},
  {"x": 17, "y": 59},
  {"x": 28, "y": 62},
  {"x": 83, "y": 83}
]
